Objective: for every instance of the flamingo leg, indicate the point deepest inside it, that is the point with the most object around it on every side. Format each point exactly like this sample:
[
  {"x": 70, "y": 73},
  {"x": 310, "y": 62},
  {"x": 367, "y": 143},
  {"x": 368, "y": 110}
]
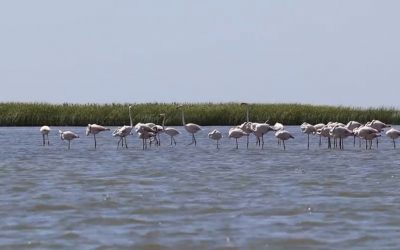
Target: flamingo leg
[
  {"x": 69, "y": 144},
  {"x": 126, "y": 144},
  {"x": 284, "y": 147},
  {"x": 237, "y": 145},
  {"x": 174, "y": 140},
  {"x": 247, "y": 141},
  {"x": 262, "y": 140},
  {"x": 95, "y": 143},
  {"x": 44, "y": 143},
  {"x": 394, "y": 143},
  {"x": 308, "y": 141}
]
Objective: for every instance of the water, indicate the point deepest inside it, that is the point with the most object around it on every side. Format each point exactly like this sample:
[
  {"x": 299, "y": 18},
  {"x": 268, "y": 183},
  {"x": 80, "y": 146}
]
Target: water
[{"x": 188, "y": 197}]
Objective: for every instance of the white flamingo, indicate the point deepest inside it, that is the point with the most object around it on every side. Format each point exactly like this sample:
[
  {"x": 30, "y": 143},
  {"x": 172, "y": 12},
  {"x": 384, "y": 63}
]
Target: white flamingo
[
  {"x": 95, "y": 129},
  {"x": 259, "y": 130},
  {"x": 378, "y": 125},
  {"x": 283, "y": 135},
  {"x": 308, "y": 129},
  {"x": 393, "y": 134},
  {"x": 145, "y": 133},
  {"x": 367, "y": 133},
  {"x": 352, "y": 125},
  {"x": 246, "y": 127},
  {"x": 215, "y": 135},
  {"x": 45, "y": 130},
  {"x": 68, "y": 135},
  {"x": 340, "y": 132},
  {"x": 169, "y": 131},
  {"x": 124, "y": 131},
  {"x": 318, "y": 127},
  {"x": 191, "y": 128},
  {"x": 236, "y": 133},
  {"x": 325, "y": 132}
]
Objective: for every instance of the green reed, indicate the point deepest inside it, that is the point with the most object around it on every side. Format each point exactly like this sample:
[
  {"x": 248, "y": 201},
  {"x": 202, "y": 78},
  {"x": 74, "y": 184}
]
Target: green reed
[{"x": 116, "y": 114}]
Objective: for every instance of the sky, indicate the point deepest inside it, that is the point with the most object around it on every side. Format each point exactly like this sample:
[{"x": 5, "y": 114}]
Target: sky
[{"x": 344, "y": 52}]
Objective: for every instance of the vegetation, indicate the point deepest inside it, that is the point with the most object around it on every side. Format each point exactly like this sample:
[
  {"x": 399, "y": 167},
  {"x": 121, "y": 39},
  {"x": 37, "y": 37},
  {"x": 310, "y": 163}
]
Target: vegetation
[{"x": 37, "y": 114}]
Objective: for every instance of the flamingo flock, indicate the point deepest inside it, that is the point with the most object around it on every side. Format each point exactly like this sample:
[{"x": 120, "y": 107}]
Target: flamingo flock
[{"x": 334, "y": 132}]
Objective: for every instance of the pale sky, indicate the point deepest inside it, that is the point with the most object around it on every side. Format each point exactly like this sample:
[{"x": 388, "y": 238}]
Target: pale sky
[{"x": 300, "y": 51}]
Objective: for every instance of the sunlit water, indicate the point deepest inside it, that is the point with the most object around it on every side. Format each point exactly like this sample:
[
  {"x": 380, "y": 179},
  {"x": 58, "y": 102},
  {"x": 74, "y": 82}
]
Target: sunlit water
[{"x": 188, "y": 197}]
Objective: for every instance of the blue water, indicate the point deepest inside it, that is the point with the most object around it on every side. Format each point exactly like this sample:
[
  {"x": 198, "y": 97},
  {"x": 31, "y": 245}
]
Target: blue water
[{"x": 188, "y": 197}]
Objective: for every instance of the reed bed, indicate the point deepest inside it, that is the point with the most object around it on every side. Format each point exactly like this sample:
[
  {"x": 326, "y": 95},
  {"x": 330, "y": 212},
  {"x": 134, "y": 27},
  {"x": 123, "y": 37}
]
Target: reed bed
[{"x": 116, "y": 114}]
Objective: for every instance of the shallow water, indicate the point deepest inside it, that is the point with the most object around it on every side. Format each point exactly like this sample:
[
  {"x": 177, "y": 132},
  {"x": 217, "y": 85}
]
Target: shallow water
[{"x": 188, "y": 197}]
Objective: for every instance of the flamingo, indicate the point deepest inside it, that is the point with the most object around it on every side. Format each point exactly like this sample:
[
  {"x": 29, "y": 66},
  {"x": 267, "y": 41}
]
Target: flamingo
[
  {"x": 145, "y": 135},
  {"x": 318, "y": 127},
  {"x": 169, "y": 131},
  {"x": 259, "y": 130},
  {"x": 68, "y": 135},
  {"x": 45, "y": 130},
  {"x": 124, "y": 131},
  {"x": 191, "y": 128},
  {"x": 378, "y": 125},
  {"x": 145, "y": 132},
  {"x": 367, "y": 133},
  {"x": 340, "y": 132},
  {"x": 325, "y": 132},
  {"x": 95, "y": 129},
  {"x": 246, "y": 127},
  {"x": 283, "y": 135},
  {"x": 308, "y": 129},
  {"x": 215, "y": 135},
  {"x": 352, "y": 125},
  {"x": 393, "y": 134},
  {"x": 236, "y": 133}
]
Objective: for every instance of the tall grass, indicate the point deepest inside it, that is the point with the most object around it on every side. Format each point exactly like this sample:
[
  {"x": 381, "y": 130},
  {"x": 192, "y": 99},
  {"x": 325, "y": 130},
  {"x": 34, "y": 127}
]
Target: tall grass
[{"x": 116, "y": 114}]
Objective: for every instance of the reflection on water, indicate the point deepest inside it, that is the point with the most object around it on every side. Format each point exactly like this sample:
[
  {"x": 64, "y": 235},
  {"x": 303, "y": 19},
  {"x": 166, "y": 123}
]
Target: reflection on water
[{"x": 188, "y": 197}]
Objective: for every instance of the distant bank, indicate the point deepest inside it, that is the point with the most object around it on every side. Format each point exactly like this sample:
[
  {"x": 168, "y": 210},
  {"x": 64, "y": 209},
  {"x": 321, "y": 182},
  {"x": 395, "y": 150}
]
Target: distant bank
[{"x": 116, "y": 114}]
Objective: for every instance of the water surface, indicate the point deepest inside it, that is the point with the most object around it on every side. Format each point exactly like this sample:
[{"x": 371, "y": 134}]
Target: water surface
[{"x": 188, "y": 197}]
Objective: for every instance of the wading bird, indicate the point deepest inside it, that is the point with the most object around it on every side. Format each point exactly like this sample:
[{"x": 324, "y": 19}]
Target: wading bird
[
  {"x": 169, "y": 131},
  {"x": 308, "y": 129},
  {"x": 124, "y": 131},
  {"x": 95, "y": 129},
  {"x": 215, "y": 135},
  {"x": 393, "y": 134},
  {"x": 191, "y": 128},
  {"x": 45, "y": 130},
  {"x": 236, "y": 133},
  {"x": 246, "y": 127},
  {"x": 68, "y": 135},
  {"x": 283, "y": 135}
]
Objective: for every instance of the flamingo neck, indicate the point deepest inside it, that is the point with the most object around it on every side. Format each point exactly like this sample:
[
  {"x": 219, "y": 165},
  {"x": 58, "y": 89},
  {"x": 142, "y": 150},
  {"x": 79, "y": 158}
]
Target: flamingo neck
[
  {"x": 130, "y": 117},
  {"x": 163, "y": 122},
  {"x": 183, "y": 119}
]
